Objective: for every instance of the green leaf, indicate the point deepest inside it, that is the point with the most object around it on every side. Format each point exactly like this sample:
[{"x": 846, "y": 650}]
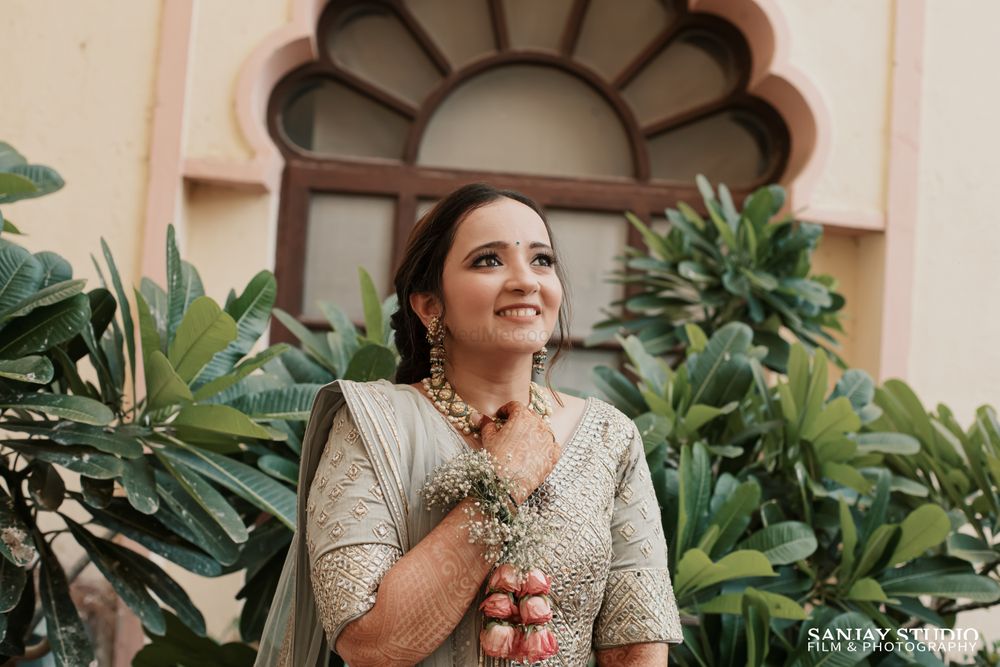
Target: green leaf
[
  {"x": 79, "y": 459},
  {"x": 250, "y": 484},
  {"x": 953, "y": 586},
  {"x": 279, "y": 467},
  {"x": 45, "y": 327},
  {"x": 783, "y": 543},
  {"x": 16, "y": 547},
  {"x": 46, "y": 296},
  {"x": 372, "y": 306},
  {"x": 67, "y": 635},
  {"x": 12, "y": 581},
  {"x": 204, "y": 331},
  {"x": 289, "y": 403},
  {"x": 181, "y": 514},
  {"x": 127, "y": 323},
  {"x": 778, "y": 605},
  {"x": 696, "y": 571},
  {"x": 164, "y": 387},
  {"x": 757, "y": 620},
  {"x": 695, "y": 490},
  {"x": 849, "y": 533},
  {"x": 734, "y": 516},
  {"x": 20, "y": 277},
  {"x": 371, "y": 362},
  {"x": 877, "y": 549},
  {"x": 971, "y": 548},
  {"x": 722, "y": 372},
  {"x": 924, "y": 528},
  {"x": 14, "y": 187},
  {"x": 836, "y": 418},
  {"x": 175, "y": 286},
  {"x": 152, "y": 331},
  {"x": 315, "y": 345},
  {"x": 867, "y": 589},
  {"x": 242, "y": 370},
  {"x": 252, "y": 312},
  {"x": 888, "y": 443},
  {"x": 213, "y": 502},
  {"x": 219, "y": 419},
  {"x": 120, "y": 517},
  {"x": 44, "y": 179},
  {"x": 119, "y": 442},
  {"x": 74, "y": 408},
  {"x": 847, "y": 475},
  {"x": 621, "y": 392},
  {"x": 140, "y": 485},
  {"x": 33, "y": 369},
  {"x": 122, "y": 575}
]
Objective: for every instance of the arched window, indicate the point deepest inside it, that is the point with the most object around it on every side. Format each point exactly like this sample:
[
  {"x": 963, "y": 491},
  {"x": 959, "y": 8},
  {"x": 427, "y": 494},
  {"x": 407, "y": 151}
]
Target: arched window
[{"x": 592, "y": 107}]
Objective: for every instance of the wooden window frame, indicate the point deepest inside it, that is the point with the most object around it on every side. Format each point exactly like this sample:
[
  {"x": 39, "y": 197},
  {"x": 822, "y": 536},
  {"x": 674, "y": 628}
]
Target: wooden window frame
[{"x": 407, "y": 183}]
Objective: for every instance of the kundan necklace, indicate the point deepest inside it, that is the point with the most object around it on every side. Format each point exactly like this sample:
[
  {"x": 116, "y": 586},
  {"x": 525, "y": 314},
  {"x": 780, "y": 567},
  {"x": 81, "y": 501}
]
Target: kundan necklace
[{"x": 459, "y": 412}]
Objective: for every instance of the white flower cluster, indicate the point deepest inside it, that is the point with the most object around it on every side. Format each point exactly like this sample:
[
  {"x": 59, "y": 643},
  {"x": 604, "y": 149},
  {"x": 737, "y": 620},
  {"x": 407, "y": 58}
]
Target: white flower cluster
[{"x": 510, "y": 534}]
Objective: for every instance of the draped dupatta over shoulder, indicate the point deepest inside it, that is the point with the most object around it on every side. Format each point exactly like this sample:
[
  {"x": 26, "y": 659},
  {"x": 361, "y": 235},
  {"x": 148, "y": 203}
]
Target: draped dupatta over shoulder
[
  {"x": 403, "y": 443},
  {"x": 368, "y": 449}
]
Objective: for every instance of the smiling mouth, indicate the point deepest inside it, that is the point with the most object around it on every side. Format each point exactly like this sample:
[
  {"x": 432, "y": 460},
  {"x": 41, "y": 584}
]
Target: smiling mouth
[{"x": 518, "y": 313}]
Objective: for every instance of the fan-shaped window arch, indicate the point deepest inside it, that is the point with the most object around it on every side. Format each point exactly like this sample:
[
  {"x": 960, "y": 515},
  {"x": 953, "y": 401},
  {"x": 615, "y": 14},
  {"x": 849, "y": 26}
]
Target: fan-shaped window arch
[{"x": 590, "y": 106}]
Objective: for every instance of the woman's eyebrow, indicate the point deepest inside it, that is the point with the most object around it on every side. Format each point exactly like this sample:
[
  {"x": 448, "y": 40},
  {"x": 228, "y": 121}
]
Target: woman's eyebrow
[{"x": 504, "y": 245}]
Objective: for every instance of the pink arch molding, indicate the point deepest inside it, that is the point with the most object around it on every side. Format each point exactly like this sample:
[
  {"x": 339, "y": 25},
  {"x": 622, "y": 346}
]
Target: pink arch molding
[{"x": 773, "y": 79}]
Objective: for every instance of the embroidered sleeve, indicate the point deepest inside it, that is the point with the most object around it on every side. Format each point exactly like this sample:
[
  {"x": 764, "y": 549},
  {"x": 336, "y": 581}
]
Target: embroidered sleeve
[
  {"x": 350, "y": 534},
  {"x": 639, "y": 603},
  {"x": 345, "y": 582}
]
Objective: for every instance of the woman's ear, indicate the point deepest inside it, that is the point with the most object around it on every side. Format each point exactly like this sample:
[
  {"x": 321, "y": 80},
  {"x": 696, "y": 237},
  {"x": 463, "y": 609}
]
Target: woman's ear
[{"x": 425, "y": 305}]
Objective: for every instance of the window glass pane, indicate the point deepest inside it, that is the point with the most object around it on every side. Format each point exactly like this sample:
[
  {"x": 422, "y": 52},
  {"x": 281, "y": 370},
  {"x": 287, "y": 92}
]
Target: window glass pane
[
  {"x": 374, "y": 44},
  {"x": 424, "y": 206},
  {"x": 587, "y": 243},
  {"x": 536, "y": 25},
  {"x": 574, "y": 367},
  {"x": 732, "y": 147},
  {"x": 328, "y": 118},
  {"x": 346, "y": 232},
  {"x": 611, "y": 36},
  {"x": 696, "y": 68},
  {"x": 463, "y": 30},
  {"x": 529, "y": 119}
]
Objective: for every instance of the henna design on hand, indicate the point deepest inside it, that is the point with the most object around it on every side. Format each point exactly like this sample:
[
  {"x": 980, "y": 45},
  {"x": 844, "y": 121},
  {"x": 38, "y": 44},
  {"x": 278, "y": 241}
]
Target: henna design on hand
[
  {"x": 653, "y": 654},
  {"x": 525, "y": 447}
]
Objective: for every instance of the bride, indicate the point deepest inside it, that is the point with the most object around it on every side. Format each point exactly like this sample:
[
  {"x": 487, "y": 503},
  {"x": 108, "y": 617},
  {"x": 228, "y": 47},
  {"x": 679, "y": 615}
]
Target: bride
[{"x": 380, "y": 578}]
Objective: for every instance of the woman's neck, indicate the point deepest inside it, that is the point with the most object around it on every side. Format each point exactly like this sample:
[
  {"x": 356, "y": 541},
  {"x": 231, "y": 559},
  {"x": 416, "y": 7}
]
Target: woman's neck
[{"x": 487, "y": 383}]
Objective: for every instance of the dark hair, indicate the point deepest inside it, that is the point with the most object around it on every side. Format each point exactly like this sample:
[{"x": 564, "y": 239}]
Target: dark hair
[{"x": 422, "y": 269}]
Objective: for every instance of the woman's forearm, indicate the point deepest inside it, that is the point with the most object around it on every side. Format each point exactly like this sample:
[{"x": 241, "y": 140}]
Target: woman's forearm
[
  {"x": 421, "y": 598},
  {"x": 633, "y": 655}
]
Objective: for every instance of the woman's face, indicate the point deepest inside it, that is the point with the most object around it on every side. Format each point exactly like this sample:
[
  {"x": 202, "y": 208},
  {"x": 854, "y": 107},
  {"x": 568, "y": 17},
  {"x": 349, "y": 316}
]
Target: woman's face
[{"x": 501, "y": 257}]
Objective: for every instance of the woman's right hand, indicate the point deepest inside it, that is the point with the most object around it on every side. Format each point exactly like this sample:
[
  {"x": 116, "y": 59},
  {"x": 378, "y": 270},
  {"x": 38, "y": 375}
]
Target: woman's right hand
[{"x": 525, "y": 448}]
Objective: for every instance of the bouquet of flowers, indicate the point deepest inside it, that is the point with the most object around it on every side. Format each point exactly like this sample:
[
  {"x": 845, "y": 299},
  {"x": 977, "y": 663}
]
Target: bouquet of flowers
[{"x": 517, "y": 608}]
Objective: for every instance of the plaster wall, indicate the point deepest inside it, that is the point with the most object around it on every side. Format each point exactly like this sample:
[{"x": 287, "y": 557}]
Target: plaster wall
[
  {"x": 844, "y": 47},
  {"x": 955, "y": 358},
  {"x": 78, "y": 96}
]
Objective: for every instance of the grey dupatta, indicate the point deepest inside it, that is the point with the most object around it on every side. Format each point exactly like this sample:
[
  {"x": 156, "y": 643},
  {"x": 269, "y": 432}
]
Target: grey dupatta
[{"x": 402, "y": 436}]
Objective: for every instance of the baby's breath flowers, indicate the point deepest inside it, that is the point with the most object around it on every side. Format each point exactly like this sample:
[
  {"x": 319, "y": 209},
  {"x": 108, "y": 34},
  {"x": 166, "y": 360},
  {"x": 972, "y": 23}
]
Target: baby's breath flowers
[
  {"x": 510, "y": 534},
  {"x": 517, "y": 608}
]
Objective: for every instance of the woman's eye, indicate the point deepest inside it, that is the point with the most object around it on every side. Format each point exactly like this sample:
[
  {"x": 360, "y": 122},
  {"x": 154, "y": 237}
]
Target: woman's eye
[
  {"x": 489, "y": 256},
  {"x": 547, "y": 260}
]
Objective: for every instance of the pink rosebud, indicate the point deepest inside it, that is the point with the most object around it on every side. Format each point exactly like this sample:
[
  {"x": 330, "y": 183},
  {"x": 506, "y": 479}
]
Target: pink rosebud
[
  {"x": 505, "y": 579},
  {"x": 499, "y": 605},
  {"x": 538, "y": 644},
  {"x": 499, "y": 640},
  {"x": 536, "y": 583},
  {"x": 535, "y": 609}
]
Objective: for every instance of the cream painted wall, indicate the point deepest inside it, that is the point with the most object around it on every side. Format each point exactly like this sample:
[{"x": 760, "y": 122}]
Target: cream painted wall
[
  {"x": 955, "y": 357},
  {"x": 844, "y": 47},
  {"x": 78, "y": 96}
]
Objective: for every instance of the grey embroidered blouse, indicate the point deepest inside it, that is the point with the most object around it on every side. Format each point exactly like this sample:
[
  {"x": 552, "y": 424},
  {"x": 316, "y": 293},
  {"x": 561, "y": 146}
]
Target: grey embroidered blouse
[{"x": 606, "y": 552}]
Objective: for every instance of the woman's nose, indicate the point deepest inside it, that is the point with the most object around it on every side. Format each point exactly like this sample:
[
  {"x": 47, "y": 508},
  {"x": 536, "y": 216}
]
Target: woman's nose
[{"x": 522, "y": 278}]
